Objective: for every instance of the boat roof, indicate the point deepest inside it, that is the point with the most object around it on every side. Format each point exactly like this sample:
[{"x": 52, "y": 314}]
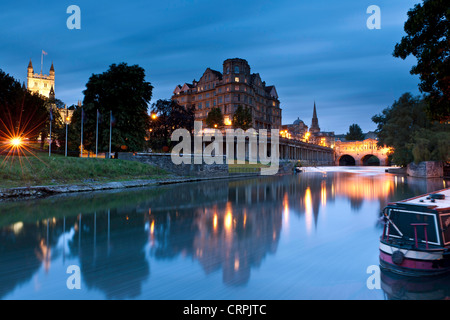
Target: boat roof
[{"x": 427, "y": 200}]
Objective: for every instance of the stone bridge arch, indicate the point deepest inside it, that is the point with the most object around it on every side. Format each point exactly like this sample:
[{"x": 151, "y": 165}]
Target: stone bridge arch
[{"x": 365, "y": 153}]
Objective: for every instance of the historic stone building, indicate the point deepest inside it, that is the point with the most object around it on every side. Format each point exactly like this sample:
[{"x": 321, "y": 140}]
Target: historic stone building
[
  {"x": 45, "y": 86},
  {"x": 299, "y": 131},
  {"x": 322, "y": 138},
  {"x": 41, "y": 83},
  {"x": 235, "y": 86}
]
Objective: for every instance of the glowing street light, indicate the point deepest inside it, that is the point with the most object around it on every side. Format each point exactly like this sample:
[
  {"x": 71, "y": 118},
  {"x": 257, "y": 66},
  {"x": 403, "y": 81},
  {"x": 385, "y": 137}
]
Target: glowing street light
[
  {"x": 154, "y": 116},
  {"x": 16, "y": 142}
]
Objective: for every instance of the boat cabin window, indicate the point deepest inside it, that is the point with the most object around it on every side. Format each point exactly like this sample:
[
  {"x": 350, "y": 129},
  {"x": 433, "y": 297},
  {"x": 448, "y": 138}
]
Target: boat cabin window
[{"x": 404, "y": 220}]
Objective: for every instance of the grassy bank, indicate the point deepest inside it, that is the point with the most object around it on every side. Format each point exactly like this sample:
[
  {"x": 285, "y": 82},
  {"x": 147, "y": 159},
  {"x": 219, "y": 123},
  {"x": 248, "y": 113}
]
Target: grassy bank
[{"x": 44, "y": 170}]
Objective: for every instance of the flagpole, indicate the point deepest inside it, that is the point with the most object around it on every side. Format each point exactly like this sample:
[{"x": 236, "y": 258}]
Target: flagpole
[
  {"x": 96, "y": 138},
  {"x": 110, "y": 132},
  {"x": 65, "y": 120},
  {"x": 42, "y": 60},
  {"x": 50, "y": 142},
  {"x": 82, "y": 120}
]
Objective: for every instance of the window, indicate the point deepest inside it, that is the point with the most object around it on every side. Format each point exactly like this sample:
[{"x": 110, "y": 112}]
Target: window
[
  {"x": 199, "y": 96},
  {"x": 236, "y": 69},
  {"x": 214, "y": 103},
  {"x": 200, "y": 106},
  {"x": 220, "y": 100},
  {"x": 236, "y": 88},
  {"x": 206, "y": 95},
  {"x": 236, "y": 79},
  {"x": 207, "y": 105}
]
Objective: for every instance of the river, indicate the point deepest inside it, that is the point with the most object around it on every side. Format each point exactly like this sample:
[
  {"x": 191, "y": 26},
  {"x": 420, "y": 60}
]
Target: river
[{"x": 312, "y": 235}]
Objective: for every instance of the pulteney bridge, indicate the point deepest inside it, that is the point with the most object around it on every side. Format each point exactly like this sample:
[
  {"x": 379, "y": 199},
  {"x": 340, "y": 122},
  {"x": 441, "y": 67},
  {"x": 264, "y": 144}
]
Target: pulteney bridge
[{"x": 360, "y": 153}]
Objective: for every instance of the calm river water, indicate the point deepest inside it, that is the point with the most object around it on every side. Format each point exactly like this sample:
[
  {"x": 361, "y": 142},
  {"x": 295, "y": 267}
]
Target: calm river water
[{"x": 311, "y": 235}]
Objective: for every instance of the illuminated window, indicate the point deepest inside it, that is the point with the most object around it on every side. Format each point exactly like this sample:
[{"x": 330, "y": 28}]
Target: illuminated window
[{"x": 236, "y": 79}]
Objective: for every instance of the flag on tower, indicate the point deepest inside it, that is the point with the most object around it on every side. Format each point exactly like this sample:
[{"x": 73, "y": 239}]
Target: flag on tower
[{"x": 44, "y": 53}]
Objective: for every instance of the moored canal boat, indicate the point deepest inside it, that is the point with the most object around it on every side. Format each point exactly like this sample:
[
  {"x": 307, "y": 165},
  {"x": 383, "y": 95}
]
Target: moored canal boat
[{"x": 416, "y": 235}]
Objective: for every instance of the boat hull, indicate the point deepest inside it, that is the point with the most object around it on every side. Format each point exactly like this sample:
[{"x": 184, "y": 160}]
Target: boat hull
[{"x": 414, "y": 262}]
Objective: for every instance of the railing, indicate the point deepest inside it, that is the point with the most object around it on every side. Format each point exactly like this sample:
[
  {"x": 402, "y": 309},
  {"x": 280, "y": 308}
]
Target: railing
[{"x": 415, "y": 225}]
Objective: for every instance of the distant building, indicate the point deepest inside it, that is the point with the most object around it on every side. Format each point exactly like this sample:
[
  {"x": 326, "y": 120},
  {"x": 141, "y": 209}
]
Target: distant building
[
  {"x": 41, "y": 83},
  {"x": 235, "y": 86},
  {"x": 297, "y": 130},
  {"x": 45, "y": 86},
  {"x": 318, "y": 137}
]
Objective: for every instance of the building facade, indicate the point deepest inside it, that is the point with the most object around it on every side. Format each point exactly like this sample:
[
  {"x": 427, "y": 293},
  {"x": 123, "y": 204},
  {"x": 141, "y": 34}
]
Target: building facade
[
  {"x": 45, "y": 86},
  {"x": 316, "y": 136},
  {"x": 226, "y": 90},
  {"x": 41, "y": 83},
  {"x": 299, "y": 131}
]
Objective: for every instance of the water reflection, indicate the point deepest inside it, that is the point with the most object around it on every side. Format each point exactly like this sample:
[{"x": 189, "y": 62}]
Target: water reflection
[
  {"x": 226, "y": 227},
  {"x": 397, "y": 287}
]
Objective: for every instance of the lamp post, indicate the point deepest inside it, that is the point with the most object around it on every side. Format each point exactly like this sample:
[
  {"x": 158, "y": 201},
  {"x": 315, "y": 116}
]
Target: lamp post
[{"x": 67, "y": 124}]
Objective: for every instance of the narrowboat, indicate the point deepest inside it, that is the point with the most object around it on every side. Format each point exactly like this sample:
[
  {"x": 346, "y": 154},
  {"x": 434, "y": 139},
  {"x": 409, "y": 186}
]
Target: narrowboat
[{"x": 416, "y": 235}]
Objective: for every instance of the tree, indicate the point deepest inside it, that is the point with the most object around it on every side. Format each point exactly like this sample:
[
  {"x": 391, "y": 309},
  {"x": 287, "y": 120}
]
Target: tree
[
  {"x": 22, "y": 113},
  {"x": 242, "y": 118},
  {"x": 405, "y": 127},
  {"x": 123, "y": 92},
  {"x": 169, "y": 117},
  {"x": 427, "y": 30},
  {"x": 354, "y": 133},
  {"x": 214, "y": 118}
]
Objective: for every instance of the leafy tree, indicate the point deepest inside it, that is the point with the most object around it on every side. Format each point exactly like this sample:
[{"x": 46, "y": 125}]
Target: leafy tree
[
  {"x": 169, "y": 117},
  {"x": 354, "y": 133},
  {"x": 214, "y": 119},
  {"x": 22, "y": 113},
  {"x": 242, "y": 118},
  {"x": 427, "y": 30},
  {"x": 432, "y": 144},
  {"x": 405, "y": 127},
  {"x": 122, "y": 91}
]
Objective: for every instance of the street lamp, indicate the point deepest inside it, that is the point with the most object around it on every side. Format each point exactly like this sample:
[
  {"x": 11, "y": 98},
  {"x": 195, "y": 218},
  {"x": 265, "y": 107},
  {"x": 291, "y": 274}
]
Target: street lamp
[
  {"x": 16, "y": 142},
  {"x": 154, "y": 116}
]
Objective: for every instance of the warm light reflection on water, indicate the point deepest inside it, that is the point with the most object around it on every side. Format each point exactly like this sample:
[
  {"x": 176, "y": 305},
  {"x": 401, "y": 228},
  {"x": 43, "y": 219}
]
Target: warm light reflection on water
[{"x": 207, "y": 241}]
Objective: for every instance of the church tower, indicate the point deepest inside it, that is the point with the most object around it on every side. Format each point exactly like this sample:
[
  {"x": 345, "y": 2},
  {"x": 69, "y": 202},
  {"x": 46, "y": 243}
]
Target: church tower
[
  {"x": 41, "y": 83},
  {"x": 315, "y": 122}
]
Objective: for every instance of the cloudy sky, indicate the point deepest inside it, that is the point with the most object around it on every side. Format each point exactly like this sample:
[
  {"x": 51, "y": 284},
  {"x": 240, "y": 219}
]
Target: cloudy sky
[{"x": 311, "y": 51}]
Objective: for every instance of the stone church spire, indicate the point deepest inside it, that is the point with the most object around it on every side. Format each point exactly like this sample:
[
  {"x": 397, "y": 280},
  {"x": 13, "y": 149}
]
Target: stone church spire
[{"x": 315, "y": 121}]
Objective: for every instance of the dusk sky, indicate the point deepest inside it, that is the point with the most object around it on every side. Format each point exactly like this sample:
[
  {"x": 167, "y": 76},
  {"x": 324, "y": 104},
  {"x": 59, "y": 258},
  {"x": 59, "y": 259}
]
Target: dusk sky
[{"x": 318, "y": 51}]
